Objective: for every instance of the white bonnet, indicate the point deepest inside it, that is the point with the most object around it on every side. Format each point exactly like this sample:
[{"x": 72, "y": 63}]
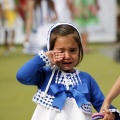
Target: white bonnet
[{"x": 54, "y": 26}]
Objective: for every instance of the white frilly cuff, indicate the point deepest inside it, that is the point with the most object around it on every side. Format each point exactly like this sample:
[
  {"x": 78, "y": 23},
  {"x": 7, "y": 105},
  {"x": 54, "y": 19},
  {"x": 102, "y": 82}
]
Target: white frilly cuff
[{"x": 115, "y": 110}]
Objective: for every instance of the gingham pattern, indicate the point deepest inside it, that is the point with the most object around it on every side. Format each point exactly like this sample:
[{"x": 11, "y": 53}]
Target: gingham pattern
[
  {"x": 87, "y": 108},
  {"x": 45, "y": 101},
  {"x": 72, "y": 78},
  {"x": 45, "y": 58}
]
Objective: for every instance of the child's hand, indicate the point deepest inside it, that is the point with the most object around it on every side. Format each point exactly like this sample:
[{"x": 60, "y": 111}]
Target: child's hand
[
  {"x": 109, "y": 116},
  {"x": 54, "y": 56},
  {"x": 105, "y": 108}
]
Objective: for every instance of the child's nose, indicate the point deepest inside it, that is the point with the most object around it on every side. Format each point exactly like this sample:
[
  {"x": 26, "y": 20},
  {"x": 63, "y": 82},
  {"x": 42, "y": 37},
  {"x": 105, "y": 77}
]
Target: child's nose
[{"x": 67, "y": 55}]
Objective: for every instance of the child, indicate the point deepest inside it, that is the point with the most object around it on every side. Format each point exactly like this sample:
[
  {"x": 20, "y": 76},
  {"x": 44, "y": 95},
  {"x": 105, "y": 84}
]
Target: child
[
  {"x": 114, "y": 92},
  {"x": 64, "y": 93}
]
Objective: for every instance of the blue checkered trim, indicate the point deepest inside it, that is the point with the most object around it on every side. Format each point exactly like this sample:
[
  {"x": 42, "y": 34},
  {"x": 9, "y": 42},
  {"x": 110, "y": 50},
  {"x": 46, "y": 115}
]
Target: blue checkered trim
[
  {"x": 45, "y": 101},
  {"x": 45, "y": 58}
]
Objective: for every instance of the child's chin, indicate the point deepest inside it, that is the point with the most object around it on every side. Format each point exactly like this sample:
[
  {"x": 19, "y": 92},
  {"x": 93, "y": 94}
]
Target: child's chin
[{"x": 68, "y": 70}]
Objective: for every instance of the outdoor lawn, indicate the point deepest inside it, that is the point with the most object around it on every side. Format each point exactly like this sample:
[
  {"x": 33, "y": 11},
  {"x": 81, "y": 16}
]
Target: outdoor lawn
[{"x": 16, "y": 98}]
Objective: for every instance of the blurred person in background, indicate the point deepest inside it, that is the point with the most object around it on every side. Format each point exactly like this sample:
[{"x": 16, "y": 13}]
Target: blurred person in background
[
  {"x": 118, "y": 20},
  {"x": 85, "y": 15},
  {"x": 39, "y": 15},
  {"x": 1, "y": 14},
  {"x": 21, "y": 8},
  {"x": 117, "y": 51},
  {"x": 113, "y": 93},
  {"x": 9, "y": 17},
  {"x": 64, "y": 10}
]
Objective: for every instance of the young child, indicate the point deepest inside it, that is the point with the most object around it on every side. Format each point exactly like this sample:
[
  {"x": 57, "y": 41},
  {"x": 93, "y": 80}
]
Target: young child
[
  {"x": 64, "y": 93},
  {"x": 114, "y": 92}
]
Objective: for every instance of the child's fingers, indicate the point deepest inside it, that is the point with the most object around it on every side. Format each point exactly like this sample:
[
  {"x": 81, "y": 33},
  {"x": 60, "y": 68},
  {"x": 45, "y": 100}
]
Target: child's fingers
[
  {"x": 55, "y": 56},
  {"x": 105, "y": 108},
  {"x": 109, "y": 117},
  {"x": 106, "y": 111},
  {"x": 58, "y": 53},
  {"x": 106, "y": 117},
  {"x": 58, "y": 56}
]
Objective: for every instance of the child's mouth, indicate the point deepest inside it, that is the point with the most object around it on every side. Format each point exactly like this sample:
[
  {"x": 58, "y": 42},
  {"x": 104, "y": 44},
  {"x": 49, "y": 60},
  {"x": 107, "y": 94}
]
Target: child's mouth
[{"x": 67, "y": 63}]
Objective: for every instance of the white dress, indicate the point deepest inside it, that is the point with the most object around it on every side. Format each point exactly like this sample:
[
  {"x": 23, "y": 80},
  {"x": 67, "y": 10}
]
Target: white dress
[{"x": 70, "y": 112}]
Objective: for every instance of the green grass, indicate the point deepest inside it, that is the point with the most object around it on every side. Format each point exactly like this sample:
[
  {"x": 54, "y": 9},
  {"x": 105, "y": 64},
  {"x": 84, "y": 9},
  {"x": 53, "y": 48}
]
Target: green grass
[{"x": 16, "y": 99}]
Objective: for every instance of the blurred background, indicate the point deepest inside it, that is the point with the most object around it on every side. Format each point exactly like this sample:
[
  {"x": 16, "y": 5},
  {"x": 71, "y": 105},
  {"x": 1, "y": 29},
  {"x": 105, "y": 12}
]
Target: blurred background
[{"x": 24, "y": 25}]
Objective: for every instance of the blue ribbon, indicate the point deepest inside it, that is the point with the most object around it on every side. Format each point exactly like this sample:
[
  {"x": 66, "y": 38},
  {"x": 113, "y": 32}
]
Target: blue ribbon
[{"x": 60, "y": 93}]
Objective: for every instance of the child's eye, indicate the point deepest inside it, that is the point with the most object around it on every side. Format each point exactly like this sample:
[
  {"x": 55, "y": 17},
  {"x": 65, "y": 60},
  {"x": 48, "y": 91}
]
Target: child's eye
[{"x": 73, "y": 50}]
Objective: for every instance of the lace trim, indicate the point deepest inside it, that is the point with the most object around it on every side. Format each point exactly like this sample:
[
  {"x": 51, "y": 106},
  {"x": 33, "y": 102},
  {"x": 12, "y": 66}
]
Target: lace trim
[
  {"x": 115, "y": 110},
  {"x": 45, "y": 58},
  {"x": 43, "y": 100},
  {"x": 72, "y": 78},
  {"x": 86, "y": 108}
]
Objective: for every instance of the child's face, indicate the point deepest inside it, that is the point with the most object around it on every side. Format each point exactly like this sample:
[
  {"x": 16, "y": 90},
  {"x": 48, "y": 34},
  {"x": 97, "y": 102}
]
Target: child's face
[{"x": 68, "y": 46}]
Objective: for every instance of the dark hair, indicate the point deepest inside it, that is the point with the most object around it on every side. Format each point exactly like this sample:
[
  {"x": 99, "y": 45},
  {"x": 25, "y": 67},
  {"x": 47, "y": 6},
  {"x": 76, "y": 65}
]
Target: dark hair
[
  {"x": 63, "y": 30},
  {"x": 37, "y": 3}
]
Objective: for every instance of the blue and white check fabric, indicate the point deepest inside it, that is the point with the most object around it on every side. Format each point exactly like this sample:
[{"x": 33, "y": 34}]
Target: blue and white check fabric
[
  {"x": 47, "y": 101},
  {"x": 72, "y": 78},
  {"x": 44, "y": 57}
]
